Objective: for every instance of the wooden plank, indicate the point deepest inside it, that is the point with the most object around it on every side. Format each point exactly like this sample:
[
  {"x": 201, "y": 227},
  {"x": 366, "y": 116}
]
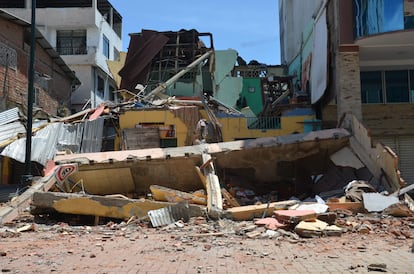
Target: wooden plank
[
  {"x": 355, "y": 207},
  {"x": 102, "y": 206},
  {"x": 249, "y": 212},
  {"x": 214, "y": 198},
  {"x": 204, "y": 165},
  {"x": 201, "y": 176},
  {"x": 229, "y": 198}
]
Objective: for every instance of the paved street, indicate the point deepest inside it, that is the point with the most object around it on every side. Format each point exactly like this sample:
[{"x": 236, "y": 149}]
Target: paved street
[{"x": 136, "y": 248}]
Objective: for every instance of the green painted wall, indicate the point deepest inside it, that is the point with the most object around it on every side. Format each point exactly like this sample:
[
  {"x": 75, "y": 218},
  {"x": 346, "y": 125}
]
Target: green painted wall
[
  {"x": 226, "y": 87},
  {"x": 252, "y": 92}
]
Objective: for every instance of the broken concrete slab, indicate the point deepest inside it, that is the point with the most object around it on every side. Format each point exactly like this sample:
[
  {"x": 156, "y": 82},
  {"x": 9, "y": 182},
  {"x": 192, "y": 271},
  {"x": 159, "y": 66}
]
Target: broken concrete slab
[
  {"x": 310, "y": 228},
  {"x": 249, "y": 212},
  {"x": 375, "y": 202},
  {"x": 316, "y": 228},
  {"x": 380, "y": 160},
  {"x": 166, "y": 194},
  {"x": 345, "y": 157},
  {"x": 328, "y": 217},
  {"x": 294, "y": 216},
  {"x": 176, "y": 164},
  {"x": 82, "y": 204}
]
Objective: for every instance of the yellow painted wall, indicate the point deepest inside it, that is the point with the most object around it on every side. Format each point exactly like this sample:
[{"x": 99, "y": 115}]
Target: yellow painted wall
[
  {"x": 232, "y": 128},
  {"x": 130, "y": 119},
  {"x": 236, "y": 128}
]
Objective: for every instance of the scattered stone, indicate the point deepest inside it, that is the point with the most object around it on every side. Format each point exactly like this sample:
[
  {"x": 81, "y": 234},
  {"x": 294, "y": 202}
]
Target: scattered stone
[
  {"x": 364, "y": 228},
  {"x": 377, "y": 267},
  {"x": 271, "y": 234},
  {"x": 253, "y": 234}
]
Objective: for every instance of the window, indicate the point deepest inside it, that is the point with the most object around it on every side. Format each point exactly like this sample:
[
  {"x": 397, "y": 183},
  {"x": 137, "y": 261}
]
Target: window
[
  {"x": 371, "y": 87},
  {"x": 100, "y": 91},
  {"x": 4, "y": 4},
  {"x": 36, "y": 97},
  {"x": 396, "y": 85},
  {"x": 377, "y": 16},
  {"x": 71, "y": 42},
  {"x": 105, "y": 46},
  {"x": 63, "y": 4}
]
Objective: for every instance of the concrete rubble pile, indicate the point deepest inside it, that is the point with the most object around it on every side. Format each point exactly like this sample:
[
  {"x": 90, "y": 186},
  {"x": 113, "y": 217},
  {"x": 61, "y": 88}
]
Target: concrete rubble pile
[{"x": 329, "y": 182}]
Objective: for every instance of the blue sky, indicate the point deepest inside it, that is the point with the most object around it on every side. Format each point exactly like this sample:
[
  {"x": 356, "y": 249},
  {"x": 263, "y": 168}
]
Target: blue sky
[{"x": 250, "y": 27}]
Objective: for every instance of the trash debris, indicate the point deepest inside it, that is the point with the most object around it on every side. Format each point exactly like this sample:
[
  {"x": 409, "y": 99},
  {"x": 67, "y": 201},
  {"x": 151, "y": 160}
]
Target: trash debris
[
  {"x": 318, "y": 208},
  {"x": 355, "y": 189},
  {"x": 375, "y": 202}
]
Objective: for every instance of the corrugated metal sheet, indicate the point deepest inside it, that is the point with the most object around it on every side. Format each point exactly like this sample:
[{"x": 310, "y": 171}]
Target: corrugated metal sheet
[
  {"x": 9, "y": 116},
  {"x": 44, "y": 143},
  {"x": 85, "y": 136},
  {"x": 92, "y": 136},
  {"x": 160, "y": 217},
  {"x": 11, "y": 130},
  {"x": 170, "y": 214},
  {"x": 70, "y": 138}
]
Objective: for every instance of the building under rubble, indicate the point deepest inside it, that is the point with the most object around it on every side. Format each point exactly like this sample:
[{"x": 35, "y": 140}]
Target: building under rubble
[{"x": 192, "y": 117}]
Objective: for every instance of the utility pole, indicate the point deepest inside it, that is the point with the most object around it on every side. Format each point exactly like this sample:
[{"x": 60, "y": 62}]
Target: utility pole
[{"x": 27, "y": 176}]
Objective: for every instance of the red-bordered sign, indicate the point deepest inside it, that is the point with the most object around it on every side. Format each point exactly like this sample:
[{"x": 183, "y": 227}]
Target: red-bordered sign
[{"x": 64, "y": 171}]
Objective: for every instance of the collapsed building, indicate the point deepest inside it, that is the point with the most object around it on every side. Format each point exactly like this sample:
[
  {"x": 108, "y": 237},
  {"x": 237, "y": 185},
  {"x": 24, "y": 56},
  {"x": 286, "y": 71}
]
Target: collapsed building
[{"x": 179, "y": 135}]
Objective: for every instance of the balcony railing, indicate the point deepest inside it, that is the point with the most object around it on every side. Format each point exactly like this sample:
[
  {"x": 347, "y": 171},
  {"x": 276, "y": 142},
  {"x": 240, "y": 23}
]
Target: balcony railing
[
  {"x": 263, "y": 122},
  {"x": 72, "y": 50}
]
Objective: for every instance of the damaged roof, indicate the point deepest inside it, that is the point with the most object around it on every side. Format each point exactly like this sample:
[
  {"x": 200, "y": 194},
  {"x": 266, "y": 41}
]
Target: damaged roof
[
  {"x": 49, "y": 138},
  {"x": 167, "y": 50}
]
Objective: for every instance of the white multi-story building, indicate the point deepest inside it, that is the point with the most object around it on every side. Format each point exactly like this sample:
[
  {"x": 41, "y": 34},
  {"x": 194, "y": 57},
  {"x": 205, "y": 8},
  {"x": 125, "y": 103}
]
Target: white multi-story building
[{"x": 86, "y": 33}]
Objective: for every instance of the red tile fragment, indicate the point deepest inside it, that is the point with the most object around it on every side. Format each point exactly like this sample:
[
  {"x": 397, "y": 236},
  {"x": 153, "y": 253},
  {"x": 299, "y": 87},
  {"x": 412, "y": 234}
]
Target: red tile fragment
[{"x": 270, "y": 223}]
